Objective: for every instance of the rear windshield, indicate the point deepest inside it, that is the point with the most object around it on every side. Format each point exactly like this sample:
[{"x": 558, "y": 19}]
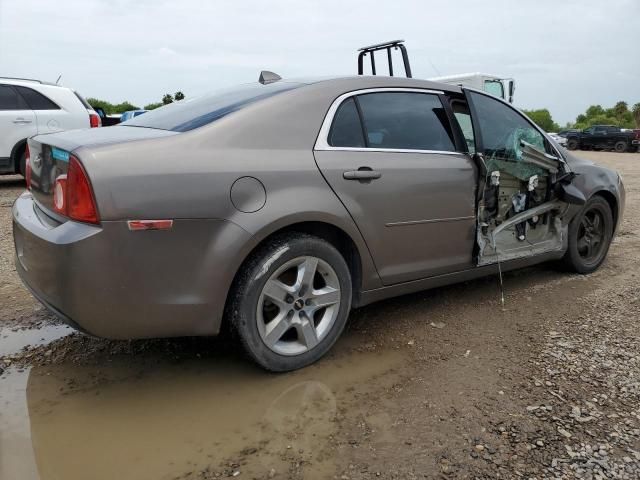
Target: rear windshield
[
  {"x": 188, "y": 114},
  {"x": 83, "y": 101}
]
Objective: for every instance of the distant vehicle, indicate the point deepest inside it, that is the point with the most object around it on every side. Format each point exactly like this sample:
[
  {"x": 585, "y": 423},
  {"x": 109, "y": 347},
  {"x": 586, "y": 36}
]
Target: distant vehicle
[
  {"x": 562, "y": 141},
  {"x": 601, "y": 137},
  {"x": 503, "y": 88},
  {"x": 636, "y": 139},
  {"x": 500, "y": 87},
  {"x": 128, "y": 115},
  {"x": 564, "y": 133},
  {"x": 107, "y": 120},
  {"x": 30, "y": 107}
]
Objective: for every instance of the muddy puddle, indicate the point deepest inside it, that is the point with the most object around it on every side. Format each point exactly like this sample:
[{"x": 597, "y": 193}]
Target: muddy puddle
[
  {"x": 12, "y": 341},
  {"x": 155, "y": 419}
]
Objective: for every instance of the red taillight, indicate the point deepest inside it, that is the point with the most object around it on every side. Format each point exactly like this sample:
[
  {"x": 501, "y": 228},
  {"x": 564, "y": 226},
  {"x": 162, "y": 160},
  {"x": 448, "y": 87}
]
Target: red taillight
[
  {"x": 27, "y": 167},
  {"x": 59, "y": 195},
  {"x": 73, "y": 196},
  {"x": 94, "y": 120}
]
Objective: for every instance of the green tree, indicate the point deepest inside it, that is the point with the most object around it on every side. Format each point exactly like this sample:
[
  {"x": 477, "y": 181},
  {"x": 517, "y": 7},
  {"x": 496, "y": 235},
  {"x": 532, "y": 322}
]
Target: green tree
[
  {"x": 167, "y": 99},
  {"x": 179, "y": 96},
  {"x": 636, "y": 114},
  {"x": 124, "y": 107},
  {"x": 542, "y": 118},
  {"x": 595, "y": 110},
  {"x": 153, "y": 106},
  {"x": 103, "y": 104},
  {"x": 620, "y": 109},
  {"x": 110, "y": 108},
  {"x": 618, "y": 115}
]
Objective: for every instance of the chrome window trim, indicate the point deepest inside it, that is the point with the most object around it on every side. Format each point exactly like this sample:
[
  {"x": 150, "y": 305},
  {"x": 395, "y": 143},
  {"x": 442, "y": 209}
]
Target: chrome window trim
[{"x": 322, "y": 143}]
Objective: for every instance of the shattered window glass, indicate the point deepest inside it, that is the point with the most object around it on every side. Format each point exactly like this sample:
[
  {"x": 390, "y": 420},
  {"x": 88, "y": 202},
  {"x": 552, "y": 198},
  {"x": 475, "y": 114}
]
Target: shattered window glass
[{"x": 503, "y": 131}]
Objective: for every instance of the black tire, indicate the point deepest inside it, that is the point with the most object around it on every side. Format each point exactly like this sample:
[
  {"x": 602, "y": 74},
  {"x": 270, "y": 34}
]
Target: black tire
[
  {"x": 621, "y": 146},
  {"x": 572, "y": 144},
  {"x": 584, "y": 255},
  {"x": 247, "y": 295}
]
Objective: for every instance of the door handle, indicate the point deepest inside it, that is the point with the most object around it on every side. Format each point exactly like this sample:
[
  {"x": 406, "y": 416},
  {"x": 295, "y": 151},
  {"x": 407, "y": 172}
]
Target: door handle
[
  {"x": 21, "y": 121},
  {"x": 363, "y": 173}
]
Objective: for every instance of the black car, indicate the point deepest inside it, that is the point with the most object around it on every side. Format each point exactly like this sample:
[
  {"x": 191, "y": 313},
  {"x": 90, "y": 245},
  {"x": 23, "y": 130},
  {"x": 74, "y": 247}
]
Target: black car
[{"x": 601, "y": 137}]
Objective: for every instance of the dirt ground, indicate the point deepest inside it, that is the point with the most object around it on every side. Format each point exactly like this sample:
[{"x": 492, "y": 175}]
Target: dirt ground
[{"x": 441, "y": 384}]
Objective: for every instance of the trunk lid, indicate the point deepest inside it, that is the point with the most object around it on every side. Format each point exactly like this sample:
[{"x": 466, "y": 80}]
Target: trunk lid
[{"x": 49, "y": 155}]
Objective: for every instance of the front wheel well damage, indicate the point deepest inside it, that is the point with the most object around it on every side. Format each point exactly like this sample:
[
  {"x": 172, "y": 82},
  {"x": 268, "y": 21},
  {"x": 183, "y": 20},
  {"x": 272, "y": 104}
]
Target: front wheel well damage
[
  {"x": 613, "y": 204},
  {"x": 337, "y": 237}
]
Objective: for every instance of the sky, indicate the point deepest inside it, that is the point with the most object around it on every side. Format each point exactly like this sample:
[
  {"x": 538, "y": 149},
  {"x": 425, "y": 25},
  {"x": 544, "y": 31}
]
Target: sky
[{"x": 565, "y": 55}]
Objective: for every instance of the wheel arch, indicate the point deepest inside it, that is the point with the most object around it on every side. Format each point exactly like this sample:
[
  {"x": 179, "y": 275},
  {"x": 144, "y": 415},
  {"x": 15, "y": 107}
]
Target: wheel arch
[
  {"x": 333, "y": 234},
  {"x": 613, "y": 204},
  {"x": 16, "y": 152}
]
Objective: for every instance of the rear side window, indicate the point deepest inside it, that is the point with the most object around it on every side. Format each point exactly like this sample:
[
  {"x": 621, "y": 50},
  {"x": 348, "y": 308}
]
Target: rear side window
[
  {"x": 346, "y": 130},
  {"x": 405, "y": 120},
  {"x": 10, "y": 100},
  {"x": 36, "y": 100},
  {"x": 196, "y": 112}
]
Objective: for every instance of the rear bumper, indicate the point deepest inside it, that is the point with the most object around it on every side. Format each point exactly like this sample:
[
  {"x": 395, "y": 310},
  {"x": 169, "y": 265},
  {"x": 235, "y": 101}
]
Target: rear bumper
[{"x": 114, "y": 283}]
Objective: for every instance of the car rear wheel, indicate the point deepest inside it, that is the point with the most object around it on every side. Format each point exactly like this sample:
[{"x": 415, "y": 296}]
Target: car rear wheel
[
  {"x": 572, "y": 144},
  {"x": 621, "y": 146},
  {"x": 590, "y": 234},
  {"x": 291, "y": 302}
]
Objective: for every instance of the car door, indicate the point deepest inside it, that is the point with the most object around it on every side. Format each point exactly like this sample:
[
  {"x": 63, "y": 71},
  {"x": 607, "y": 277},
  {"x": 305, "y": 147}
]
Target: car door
[
  {"x": 600, "y": 137},
  {"x": 17, "y": 122},
  {"x": 587, "y": 137},
  {"x": 521, "y": 167},
  {"x": 49, "y": 116},
  {"x": 390, "y": 156}
]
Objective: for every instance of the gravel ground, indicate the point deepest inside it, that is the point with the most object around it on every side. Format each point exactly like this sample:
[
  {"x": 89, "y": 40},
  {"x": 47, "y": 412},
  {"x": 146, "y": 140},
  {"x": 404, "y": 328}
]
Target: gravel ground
[{"x": 440, "y": 384}]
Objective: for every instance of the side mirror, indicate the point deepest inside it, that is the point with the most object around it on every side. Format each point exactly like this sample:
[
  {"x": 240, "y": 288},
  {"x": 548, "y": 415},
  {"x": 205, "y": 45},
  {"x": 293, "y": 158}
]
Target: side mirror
[{"x": 512, "y": 89}]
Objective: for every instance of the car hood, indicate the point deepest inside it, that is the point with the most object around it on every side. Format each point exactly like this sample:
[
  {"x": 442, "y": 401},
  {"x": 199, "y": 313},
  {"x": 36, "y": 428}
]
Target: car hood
[
  {"x": 576, "y": 162},
  {"x": 70, "y": 140}
]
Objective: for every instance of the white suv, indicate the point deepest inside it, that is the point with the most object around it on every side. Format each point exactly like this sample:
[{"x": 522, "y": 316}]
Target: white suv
[{"x": 31, "y": 107}]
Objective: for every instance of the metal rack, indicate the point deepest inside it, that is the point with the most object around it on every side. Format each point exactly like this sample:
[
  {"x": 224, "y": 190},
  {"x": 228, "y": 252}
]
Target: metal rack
[{"x": 388, "y": 46}]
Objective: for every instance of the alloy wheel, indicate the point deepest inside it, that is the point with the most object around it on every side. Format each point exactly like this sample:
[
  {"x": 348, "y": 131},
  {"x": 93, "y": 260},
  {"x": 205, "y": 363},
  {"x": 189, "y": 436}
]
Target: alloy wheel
[
  {"x": 298, "y": 305},
  {"x": 591, "y": 235}
]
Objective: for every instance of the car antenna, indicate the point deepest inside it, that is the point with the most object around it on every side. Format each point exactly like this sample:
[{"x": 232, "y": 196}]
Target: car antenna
[
  {"x": 388, "y": 46},
  {"x": 58, "y": 80},
  {"x": 267, "y": 77}
]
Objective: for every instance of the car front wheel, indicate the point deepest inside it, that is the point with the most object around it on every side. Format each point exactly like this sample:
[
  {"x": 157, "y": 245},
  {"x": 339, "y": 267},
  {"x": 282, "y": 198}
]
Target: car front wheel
[
  {"x": 590, "y": 234},
  {"x": 291, "y": 301},
  {"x": 572, "y": 144}
]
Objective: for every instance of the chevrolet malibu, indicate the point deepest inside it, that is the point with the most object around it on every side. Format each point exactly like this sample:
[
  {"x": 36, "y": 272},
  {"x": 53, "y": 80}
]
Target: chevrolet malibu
[{"x": 274, "y": 208}]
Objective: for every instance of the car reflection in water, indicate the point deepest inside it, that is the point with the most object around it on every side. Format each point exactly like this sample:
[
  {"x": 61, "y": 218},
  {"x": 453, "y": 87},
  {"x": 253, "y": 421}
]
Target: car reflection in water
[{"x": 166, "y": 420}]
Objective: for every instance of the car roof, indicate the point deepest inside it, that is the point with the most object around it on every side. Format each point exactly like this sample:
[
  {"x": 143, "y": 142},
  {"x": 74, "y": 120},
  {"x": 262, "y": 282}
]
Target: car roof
[
  {"x": 355, "y": 82},
  {"x": 27, "y": 82}
]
